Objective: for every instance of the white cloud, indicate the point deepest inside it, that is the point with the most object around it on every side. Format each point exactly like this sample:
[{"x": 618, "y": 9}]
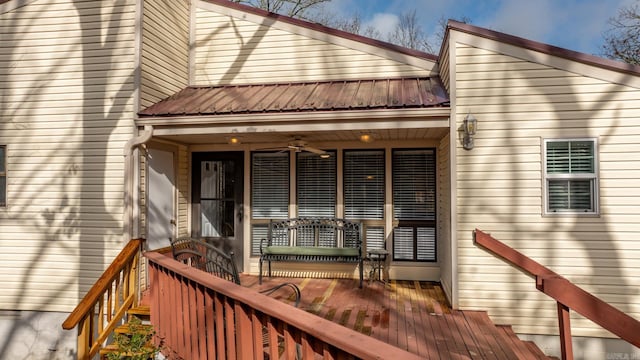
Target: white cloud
[
  {"x": 383, "y": 22},
  {"x": 525, "y": 18}
]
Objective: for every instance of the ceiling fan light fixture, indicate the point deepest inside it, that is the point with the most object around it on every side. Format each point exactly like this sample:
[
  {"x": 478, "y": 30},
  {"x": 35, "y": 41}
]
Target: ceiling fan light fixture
[
  {"x": 366, "y": 137},
  {"x": 325, "y": 156}
]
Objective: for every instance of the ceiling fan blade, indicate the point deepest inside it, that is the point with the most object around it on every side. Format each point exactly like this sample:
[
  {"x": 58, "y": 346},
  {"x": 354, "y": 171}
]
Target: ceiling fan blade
[{"x": 314, "y": 150}]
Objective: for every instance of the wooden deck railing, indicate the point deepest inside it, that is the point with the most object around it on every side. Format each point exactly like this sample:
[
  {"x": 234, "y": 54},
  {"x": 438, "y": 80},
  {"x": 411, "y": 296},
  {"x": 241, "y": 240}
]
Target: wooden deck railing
[
  {"x": 199, "y": 316},
  {"x": 106, "y": 303},
  {"x": 567, "y": 295}
]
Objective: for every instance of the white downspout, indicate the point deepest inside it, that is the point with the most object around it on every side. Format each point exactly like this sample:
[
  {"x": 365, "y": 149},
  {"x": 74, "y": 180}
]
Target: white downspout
[{"x": 129, "y": 230}]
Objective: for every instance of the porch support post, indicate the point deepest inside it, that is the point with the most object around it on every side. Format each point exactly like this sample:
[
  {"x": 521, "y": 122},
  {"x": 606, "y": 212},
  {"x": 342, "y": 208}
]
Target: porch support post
[{"x": 564, "y": 323}]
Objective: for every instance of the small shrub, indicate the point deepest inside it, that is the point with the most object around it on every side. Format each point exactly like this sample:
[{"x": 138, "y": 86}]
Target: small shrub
[{"x": 137, "y": 345}]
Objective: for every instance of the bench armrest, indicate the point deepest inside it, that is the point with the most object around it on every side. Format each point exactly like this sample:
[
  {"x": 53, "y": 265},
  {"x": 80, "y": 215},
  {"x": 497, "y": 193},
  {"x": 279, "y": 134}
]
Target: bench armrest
[{"x": 262, "y": 244}]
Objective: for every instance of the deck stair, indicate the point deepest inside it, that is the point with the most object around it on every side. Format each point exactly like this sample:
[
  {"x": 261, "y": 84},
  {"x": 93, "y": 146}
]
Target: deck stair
[{"x": 138, "y": 320}]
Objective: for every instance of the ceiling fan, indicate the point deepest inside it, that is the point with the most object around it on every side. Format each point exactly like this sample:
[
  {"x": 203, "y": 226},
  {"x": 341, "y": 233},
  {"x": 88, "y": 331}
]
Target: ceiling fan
[{"x": 299, "y": 145}]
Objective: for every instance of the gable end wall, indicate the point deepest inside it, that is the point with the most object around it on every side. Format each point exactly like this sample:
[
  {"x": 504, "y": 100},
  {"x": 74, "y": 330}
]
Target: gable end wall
[{"x": 518, "y": 103}]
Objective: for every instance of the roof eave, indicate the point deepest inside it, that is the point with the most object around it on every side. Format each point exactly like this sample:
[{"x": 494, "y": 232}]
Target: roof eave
[{"x": 426, "y": 113}]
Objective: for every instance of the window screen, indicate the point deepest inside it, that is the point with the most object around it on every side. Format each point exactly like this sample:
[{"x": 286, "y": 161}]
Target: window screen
[
  {"x": 364, "y": 184},
  {"x": 571, "y": 180},
  {"x": 316, "y": 185}
]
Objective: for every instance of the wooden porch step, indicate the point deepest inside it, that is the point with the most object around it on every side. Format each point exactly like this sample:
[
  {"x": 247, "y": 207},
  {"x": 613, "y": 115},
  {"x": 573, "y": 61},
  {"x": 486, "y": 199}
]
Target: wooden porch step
[
  {"x": 523, "y": 349},
  {"x": 537, "y": 353},
  {"x": 113, "y": 348},
  {"x": 126, "y": 329},
  {"x": 142, "y": 310}
]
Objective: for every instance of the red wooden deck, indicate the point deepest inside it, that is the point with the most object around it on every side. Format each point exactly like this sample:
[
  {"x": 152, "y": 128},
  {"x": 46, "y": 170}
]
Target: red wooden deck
[{"x": 412, "y": 315}]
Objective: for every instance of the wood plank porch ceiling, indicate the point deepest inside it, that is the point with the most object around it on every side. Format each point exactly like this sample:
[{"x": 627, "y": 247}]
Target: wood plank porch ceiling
[{"x": 395, "y": 93}]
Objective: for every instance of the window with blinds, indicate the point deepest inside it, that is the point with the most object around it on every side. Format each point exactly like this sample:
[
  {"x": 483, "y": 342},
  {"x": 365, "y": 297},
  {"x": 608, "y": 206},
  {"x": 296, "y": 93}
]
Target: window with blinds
[
  {"x": 316, "y": 184},
  {"x": 270, "y": 185},
  {"x": 414, "y": 204},
  {"x": 364, "y": 184},
  {"x": 269, "y": 192},
  {"x": 571, "y": 176},
  {"x": 3, "y": 176}
]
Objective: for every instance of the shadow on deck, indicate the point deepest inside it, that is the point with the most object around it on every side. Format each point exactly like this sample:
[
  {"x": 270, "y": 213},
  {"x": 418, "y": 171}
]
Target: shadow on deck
[{"x": 411, "y": 315}]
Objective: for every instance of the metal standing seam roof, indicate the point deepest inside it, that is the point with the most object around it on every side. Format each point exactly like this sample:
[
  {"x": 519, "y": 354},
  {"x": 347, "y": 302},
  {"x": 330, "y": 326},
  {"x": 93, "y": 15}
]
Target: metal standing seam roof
[{"x": 303, "y": 97}]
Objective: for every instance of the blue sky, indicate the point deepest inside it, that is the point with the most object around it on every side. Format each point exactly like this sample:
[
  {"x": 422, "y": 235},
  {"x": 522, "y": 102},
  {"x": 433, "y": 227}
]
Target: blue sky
[{"x": 573, "y": 24}]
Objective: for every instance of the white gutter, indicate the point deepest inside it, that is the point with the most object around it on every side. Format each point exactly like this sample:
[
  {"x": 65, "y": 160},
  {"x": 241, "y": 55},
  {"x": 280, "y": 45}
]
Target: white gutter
[{"x": 130, "y": 190}]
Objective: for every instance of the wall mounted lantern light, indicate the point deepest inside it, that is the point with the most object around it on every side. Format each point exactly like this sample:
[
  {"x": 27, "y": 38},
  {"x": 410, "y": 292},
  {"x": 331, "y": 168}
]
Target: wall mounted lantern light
[{"x": 469, "y": 126}]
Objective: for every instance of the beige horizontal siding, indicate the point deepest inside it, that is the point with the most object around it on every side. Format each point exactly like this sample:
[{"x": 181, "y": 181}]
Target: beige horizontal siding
[
  {"x": 232, "y": 50},
  {"x": 66, "y": 112},
  {"x": 518, "y": 103},
  {"x": 165, "y": 49}
]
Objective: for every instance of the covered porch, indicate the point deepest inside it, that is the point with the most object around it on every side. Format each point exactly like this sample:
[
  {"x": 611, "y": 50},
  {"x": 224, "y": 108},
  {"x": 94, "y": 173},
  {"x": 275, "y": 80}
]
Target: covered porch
[{"x": 221, "y": 162}]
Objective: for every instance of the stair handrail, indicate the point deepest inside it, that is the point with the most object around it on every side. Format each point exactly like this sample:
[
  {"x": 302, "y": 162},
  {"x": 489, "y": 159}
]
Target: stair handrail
[
  {"x": 115, "y": 292},
  {"x": 567, "y": 295}
]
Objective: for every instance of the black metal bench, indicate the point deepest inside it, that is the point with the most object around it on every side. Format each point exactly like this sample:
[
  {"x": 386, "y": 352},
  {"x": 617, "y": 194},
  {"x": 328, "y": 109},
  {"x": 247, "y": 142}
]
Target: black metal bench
[
  {"x": 312, "y": 239},
  {"x": 206, "y": 257}
]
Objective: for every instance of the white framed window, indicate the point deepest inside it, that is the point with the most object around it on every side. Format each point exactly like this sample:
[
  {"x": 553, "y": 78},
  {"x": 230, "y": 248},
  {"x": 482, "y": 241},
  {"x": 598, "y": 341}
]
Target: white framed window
[
  {"x": 414, "y": 204},
  {"x": 3, "y": 176},
  {"x": 269, "y": 193},
  {"x": 571, "y": 176}
]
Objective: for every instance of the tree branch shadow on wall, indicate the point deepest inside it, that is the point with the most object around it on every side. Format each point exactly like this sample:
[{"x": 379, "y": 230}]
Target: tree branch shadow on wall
[{"x": 82, "y": 212}]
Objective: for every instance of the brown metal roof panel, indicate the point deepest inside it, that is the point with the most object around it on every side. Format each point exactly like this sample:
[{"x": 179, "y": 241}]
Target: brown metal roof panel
[
  {"x": 240, "y": 97},
  {"x": 168, "y": 105},
  {"x": 334, "y": 95},
  {"x": 380, "y": 93},
  {"x": 208, "y": 105},
  {"x": 395, "y": 93},
  {"x": 277, "y": 98},
  {"x": 329, "y": 95},
  {"x": 436, "y": 89},
  {"x": 192, "y": 101},
  {"x": 317, "y": 99},
  {"x": 298, "y": 96},
  {"x": 410, "y": 96},
  {"x": 349, "y": 91},
  {"x": 255, "y": 101},
  {"x": 362, "y": 96}
]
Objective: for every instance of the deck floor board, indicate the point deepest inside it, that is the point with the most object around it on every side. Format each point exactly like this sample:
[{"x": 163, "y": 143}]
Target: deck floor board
[{"x": 412, "y": 315}]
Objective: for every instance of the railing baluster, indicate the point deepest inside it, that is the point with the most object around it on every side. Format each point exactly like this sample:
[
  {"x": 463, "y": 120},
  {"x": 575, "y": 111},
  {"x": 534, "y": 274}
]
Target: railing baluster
[
  {"x": 230, "y": 330},
  {"x": 219, "y": 321},
  {"x": 273, "y": 339},
  {"x": 244, "y": 332}
]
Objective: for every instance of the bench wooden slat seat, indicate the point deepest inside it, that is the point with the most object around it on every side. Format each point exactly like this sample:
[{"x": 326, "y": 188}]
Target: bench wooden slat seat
[{"x": 312, "y": 239}]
